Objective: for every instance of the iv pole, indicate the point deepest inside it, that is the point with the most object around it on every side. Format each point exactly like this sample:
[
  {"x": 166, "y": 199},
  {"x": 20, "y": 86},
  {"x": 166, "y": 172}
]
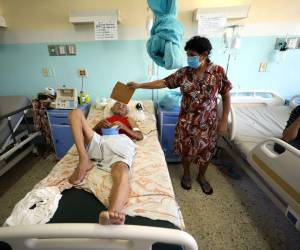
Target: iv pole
[
  {"x": 228, "y": 60},
  {"x": 152, "y": 68},
  {"x": 233, "y": 42}
]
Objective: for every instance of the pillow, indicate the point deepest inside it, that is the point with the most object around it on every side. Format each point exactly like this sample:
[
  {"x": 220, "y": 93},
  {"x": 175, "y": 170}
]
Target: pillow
[{"x": 137, "y": 115}]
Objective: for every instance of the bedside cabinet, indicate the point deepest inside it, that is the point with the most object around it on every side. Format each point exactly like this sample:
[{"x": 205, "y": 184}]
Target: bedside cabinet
[
  {"x": 167, "y": 120},
  {"x": 60, "y": 129}
]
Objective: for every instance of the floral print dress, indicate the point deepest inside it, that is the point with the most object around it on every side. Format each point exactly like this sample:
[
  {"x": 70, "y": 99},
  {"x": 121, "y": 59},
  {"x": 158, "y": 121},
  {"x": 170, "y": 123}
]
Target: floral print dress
[{"x": 196, "y": 130}]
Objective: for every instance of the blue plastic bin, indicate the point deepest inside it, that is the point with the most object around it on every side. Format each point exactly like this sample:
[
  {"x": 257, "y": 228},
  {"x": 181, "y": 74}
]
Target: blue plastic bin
[{"x": 110, "y": 131}]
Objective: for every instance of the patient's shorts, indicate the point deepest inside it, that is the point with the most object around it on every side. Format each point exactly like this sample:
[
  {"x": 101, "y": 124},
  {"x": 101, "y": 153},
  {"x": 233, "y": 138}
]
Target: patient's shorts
[{"x": 109, "y": 149}]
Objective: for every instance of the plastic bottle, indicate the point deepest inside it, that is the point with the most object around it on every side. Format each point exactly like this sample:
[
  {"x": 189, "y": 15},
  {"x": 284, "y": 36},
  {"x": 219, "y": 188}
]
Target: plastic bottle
[
  {"x": 82, "y": 98},
  {"x": 87, "y": 98}
]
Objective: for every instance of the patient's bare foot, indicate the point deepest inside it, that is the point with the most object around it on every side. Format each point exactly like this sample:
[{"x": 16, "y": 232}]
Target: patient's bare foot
[
  {"x": 110, "y": 217},
  {"x": 80, "y": 172}
]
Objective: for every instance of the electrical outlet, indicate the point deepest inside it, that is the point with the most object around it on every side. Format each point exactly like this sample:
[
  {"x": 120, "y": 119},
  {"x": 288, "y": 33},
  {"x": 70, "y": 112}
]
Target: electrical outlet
[
  {"x": 82, "y": 73},
  {"x": 52, "y": 72},
  {"x": 262, "y": 67},
  {"x": 52, "y": 50},
  {"x": 45, "y": 72},
  {"x": 292, "y": 43},
  {"x": 71, "y": 49},
  {"x": 62, "y": 50},
  {"x": 283, "y": 44},
  {"x": 280, "y": 44},
  {"x": 48, "y": 72}
]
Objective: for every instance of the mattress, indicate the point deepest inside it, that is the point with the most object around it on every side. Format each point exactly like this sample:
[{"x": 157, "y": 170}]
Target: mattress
[
  {"x": 151, "y": 195},
  {"x": 254, "y": 125},
  {"x": 79, "y": 206},
  {"x": 9, "y": 104}
]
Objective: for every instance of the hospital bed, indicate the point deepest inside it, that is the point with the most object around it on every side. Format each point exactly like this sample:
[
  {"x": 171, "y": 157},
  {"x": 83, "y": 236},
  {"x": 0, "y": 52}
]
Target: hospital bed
[
  {"x": 16, "y": 137},
  {"x": 151, "y": 210},
  {"x": 256, "y": 121}
]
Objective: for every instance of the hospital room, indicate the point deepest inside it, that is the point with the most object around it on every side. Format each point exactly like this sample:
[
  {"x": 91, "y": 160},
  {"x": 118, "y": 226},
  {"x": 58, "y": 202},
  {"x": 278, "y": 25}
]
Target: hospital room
[{"x": 149, "y": 124}]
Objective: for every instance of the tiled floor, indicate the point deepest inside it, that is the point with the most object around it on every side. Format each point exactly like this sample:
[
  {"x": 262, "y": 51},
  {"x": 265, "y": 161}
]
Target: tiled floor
[
  {"x": 237, "y": 216},
  {"x": 20, "y": 179}
]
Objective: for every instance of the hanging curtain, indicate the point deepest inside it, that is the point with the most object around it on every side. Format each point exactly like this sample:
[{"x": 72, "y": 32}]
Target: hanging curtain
[{"x": 164, "y": 45}]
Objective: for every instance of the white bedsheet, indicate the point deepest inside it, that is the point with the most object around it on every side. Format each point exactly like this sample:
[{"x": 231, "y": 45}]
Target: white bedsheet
[
  {"x": 151, "y": 194},
  {"x": 253, "y": 125},
  {"x": 37, "y": 207}
]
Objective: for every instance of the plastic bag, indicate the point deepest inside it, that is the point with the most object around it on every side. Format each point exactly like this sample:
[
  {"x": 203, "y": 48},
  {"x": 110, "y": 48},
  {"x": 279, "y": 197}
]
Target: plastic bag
[{"x": 171, "y": 100}]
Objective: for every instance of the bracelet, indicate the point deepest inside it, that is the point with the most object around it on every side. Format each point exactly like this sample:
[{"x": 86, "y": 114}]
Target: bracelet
[{"x": 136, "y": 129}]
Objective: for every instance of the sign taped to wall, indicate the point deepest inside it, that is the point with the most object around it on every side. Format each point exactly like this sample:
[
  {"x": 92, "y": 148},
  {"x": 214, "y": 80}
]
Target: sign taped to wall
[
  {"x": 211, "y": 23},
  {"x": 106, "y": 28}
]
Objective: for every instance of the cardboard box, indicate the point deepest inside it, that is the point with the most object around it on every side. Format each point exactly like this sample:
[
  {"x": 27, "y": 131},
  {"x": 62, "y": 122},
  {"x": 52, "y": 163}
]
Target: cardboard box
[{"x": 122, "y": 93}]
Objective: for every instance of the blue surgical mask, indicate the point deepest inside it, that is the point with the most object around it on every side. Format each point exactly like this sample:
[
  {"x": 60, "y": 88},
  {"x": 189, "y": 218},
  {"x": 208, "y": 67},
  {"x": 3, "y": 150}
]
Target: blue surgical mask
[{"x": 193, "y": 62}]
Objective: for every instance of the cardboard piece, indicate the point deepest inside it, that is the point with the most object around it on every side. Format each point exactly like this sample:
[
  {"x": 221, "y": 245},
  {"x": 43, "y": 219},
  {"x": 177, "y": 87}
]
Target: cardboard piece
[{"x": 122, "y": 93}]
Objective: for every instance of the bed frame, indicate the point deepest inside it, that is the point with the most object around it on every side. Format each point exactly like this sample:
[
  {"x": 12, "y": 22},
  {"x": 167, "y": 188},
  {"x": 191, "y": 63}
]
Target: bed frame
[
  {"x": 268, "y": 168},
  {"x": 256, "y": 98},
  {"x": 91, "y": 236},
  {"x": 74, "y": 226},
  {"x": 17, "y": 144}
]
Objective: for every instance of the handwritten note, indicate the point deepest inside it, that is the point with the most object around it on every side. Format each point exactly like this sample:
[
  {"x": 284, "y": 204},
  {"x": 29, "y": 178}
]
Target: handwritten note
[
  {"x": 106, "y": 28},
  {"x": 211, "y": 23}
]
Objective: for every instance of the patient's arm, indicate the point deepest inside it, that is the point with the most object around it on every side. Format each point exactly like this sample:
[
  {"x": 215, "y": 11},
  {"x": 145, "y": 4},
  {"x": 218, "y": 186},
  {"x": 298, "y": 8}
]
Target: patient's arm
[
  {"x": 138, "y": 135},
  {"x": 291, "y": 132},
  {"x": 102, "y": 124}
]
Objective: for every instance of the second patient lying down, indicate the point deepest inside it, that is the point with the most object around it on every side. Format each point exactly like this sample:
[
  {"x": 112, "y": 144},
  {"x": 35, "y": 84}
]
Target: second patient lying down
[{"x": 115, "y": 154}]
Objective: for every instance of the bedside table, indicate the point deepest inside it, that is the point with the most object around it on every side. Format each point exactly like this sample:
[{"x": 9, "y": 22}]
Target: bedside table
[
  {"x": 60, "y": 129},
  {"x": 167, "y": 120}
]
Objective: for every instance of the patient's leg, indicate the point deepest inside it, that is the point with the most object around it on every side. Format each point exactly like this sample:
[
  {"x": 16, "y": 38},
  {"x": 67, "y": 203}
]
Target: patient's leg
[
  {"x": 82, "y": 135},
  {"x": 118, "y": 195}
]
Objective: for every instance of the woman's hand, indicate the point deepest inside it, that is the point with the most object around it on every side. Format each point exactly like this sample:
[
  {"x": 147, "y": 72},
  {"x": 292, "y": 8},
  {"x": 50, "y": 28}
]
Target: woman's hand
[
  {"x": 222, "y": 127},
  {"x": 133, "y": 85},
  {"x": 290, "y": 133}
]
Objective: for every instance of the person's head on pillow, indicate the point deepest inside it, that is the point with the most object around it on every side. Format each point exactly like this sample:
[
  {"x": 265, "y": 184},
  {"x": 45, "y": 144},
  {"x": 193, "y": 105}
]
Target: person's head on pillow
[
  {"x": 119, "y": 108},
  {"x": 119, "y": 119}
]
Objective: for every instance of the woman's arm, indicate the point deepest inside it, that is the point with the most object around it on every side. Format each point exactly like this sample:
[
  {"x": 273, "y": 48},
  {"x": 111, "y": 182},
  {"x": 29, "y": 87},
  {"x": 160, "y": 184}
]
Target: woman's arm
[
  {"x": 158, "y": 84},
  {"x": 222, "y": 125},
  {"x": 226, "y": 106}
]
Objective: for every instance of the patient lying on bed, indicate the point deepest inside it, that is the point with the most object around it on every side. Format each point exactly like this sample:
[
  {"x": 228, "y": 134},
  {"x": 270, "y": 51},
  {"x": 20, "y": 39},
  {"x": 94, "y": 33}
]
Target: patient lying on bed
[
  {"x": 114, "y": 153},
  {"x": 291, "y": 134}
]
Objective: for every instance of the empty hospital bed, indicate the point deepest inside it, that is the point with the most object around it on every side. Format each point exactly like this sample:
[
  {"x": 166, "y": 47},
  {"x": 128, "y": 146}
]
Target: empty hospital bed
[
  {"x": 257, "y": 120},
  {"x": 151, "y": 211},
  {"x": 16, "y": 137}
]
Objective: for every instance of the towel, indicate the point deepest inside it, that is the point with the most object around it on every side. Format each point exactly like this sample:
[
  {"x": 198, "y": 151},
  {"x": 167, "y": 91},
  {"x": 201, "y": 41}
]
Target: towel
[
  {"x": 164, "y": 45},
  {"x": 37, "y": 207}
]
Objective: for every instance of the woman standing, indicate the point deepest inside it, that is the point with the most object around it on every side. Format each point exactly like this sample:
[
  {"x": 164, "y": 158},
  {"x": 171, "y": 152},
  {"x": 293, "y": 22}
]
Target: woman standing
[{"x": 198, "y": 125}]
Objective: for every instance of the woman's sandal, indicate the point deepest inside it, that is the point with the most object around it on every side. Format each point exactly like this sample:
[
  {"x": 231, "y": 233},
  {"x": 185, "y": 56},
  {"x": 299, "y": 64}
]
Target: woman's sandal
[
  {"x": 186, "y": 182},
  {"x": 206, "y": 186}
]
